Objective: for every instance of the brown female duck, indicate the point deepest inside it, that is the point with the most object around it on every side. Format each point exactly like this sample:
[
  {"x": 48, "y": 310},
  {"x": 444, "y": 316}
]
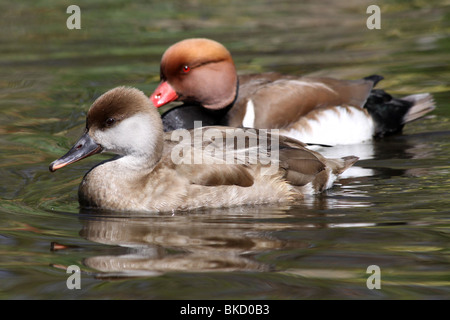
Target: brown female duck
[{"x": 148, "y": 175}]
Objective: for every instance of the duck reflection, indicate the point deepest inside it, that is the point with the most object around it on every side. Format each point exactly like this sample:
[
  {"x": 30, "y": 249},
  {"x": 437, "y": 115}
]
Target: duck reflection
[
  {"x": 404, "y": 155},
  {"x": 387, "y": 157},
  {"x": 194, "y": 242},
  {"x": 231, "y": 239}
]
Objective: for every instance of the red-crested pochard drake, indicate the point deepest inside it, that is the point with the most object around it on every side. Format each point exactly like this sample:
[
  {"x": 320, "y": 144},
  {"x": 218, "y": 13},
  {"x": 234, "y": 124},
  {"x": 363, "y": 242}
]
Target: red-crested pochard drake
[
  {"x": 201, "y": 73},
  {"x": 147, "y": 174}
]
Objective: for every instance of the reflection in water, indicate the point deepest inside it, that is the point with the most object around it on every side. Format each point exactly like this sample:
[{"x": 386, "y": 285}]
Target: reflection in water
[
  {"x": 201, "y": 240},
  {"x": 361, "y": 150},
  {"x": 393, "y": 148},
  {"x": 189, "y": 242},
  {"x": 393, "y": 155}
]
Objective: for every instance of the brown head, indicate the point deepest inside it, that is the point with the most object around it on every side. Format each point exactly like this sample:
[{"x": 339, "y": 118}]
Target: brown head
[
  {"x": 199, "y": 71},
  {"x": 122, "y": 121}
]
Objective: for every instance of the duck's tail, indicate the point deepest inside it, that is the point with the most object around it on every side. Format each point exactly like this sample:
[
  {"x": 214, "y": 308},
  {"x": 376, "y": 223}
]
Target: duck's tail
[
  {"x": 421, "y": 104},
  {"x": 325, "y": 179},
  {"x": 391, "y": 114},
  {"x": 339, "y": 165}
]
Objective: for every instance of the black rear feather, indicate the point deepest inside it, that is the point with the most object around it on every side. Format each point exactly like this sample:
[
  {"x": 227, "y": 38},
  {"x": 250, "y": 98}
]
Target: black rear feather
[{"x": 387, "y": 112}]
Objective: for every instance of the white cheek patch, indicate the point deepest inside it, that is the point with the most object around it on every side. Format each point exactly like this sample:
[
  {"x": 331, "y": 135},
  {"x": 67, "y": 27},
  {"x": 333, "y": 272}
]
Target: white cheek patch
[{"x": 130, "y": 135}]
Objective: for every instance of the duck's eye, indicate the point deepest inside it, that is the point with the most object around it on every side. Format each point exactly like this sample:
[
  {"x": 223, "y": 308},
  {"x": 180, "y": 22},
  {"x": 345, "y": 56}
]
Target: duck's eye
[
  {"x": 110, "y": 121},
  {"x": 186, "y": 69}
]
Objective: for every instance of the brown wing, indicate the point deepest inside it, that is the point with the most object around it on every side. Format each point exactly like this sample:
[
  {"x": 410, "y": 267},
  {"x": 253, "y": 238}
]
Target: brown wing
[
  {"x": 216, "y": 174},
  {"x": 203, "y": 156},
  {"x": 279, "y": 102},
  {"x": 224, "y": 156},
  {"x": 301, "y": 165}
]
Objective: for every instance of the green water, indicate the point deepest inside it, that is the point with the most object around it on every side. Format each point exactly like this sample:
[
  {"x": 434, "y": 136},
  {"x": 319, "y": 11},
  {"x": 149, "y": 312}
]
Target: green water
[{"x": 394, "y": 216}]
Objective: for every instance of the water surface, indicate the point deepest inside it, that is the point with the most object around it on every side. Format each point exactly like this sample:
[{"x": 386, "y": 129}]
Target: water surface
[{"x": 393, "y": 213}]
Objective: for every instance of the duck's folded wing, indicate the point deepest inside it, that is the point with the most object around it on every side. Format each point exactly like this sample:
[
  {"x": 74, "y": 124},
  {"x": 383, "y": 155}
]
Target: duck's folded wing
[
  {"x": 300, "y": 166},
  {"x": 225, "y": 156},
  {"x": 204, "y": 156},
  {"x": 216, "y": 174},
  {"x": 278, "y": 103}
]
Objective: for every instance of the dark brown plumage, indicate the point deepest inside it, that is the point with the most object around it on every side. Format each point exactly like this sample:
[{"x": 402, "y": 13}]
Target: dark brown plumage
[{"x": 306, "y": 108}]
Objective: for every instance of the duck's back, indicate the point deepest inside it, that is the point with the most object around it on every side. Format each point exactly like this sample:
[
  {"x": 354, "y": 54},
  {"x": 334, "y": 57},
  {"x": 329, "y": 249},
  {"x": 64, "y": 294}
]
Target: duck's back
[{"x": 274, "y": 101}]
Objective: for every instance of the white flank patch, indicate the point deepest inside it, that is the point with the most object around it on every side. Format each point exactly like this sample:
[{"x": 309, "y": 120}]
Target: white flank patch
[
  {"x": 335, "y": 128},
  {"x": 249, "y": 118}
]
